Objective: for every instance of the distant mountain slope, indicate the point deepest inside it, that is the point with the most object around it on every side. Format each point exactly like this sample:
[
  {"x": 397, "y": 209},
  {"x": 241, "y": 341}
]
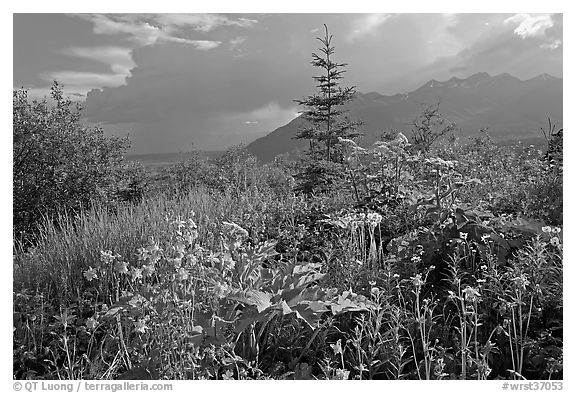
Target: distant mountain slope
[{"x": 508, "y": 107}]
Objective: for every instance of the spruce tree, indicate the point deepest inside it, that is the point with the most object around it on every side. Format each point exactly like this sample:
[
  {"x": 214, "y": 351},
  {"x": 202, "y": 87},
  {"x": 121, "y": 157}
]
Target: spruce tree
[{"x": 327, "y": 120}]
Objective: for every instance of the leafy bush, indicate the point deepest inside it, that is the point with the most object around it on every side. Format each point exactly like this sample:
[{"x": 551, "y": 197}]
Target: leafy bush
[
  {"x": 59, "y": 164},
  {"x": 193, "y": 172}
]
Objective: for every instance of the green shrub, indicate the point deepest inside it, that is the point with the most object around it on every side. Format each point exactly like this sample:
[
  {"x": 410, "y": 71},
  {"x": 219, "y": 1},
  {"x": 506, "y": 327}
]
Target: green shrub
[{"x": 58, "y": 163}]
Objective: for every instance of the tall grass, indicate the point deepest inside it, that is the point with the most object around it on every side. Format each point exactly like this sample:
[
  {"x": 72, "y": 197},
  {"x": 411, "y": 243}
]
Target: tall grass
[{"x": 68, "y": 245}]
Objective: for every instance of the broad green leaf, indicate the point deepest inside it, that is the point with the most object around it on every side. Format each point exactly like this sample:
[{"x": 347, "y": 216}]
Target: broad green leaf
[{"x": 252, "y": 297}]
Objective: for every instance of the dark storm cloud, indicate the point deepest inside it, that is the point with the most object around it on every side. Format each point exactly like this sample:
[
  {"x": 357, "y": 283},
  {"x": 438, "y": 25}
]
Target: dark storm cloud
[{"x": 248, "y": 86}]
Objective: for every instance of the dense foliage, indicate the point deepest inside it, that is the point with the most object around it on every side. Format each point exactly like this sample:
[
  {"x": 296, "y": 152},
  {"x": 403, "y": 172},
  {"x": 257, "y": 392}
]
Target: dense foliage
[
  {"x": 439, "y": 266},
  {"x": 59, "y": 163}
]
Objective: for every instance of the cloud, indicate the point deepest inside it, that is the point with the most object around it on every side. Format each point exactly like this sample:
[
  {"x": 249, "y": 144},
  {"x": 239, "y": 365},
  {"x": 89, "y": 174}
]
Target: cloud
[
  {"x": 142, "y": 33},
  {"x": 530, "y": 25},
  {"x": 366, "y": 25},
  {"x": 84, "y": 80},
  {"x": 146, "y": 30},
  {"x": 118, "y": 58},
  {"x": 200, "y": 22},
  {"x": 272, "y": 111},
  {"x": 551, "y": 45},
  {"x": 458, "y": 69},
  {"x": 522, "y": 45},
  {"x": 236, "y": 42}
]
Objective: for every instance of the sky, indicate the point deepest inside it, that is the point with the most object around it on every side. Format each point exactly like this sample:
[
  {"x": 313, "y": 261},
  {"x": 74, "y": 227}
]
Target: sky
[{"x": 177, "y": 81}]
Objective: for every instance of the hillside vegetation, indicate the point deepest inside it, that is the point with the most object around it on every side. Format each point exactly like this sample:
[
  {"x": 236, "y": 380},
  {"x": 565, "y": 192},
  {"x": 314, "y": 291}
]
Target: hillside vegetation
[{"x": 421, "y": 256}]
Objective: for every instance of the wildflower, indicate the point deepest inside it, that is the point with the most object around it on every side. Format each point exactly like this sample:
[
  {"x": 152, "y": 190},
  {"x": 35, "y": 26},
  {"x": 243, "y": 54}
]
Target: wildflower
[
  {"x": 177, "y": 261},
  {"x": 180, "y": 248},
  {"x": 91, "y": 323},
  {"x": 374, "y": 219},
  {"x": 192, "y": 259},
  {"x": 192, "y": 224},
  {"x": 234, "y": 229},
  {"x": 341, "y": 374},
  {"x": 121, "y": 267},
  {"x": 227, "y": 261},
  {"x": 375, "y": 291},
  {"x": 106, "y": 257},
  {"x": 140, "y": 326},
  {"x": 192, "y": 236},
  {"x": 417, "y": 280},
  {"x": 90, "y": 274},
  {"x": 471, "y": 294},
  {"x": 556, "y": 230},
  {"x": 401, "y": 138},
  {"x": 521, "y": 281},
  {"x": 439, "y": 368},
  {"x": 220, "y": 289},
  {"x": 337, "y": 348},
  {"x": 142, "y": 254},
  {"x": 382, "y": 149},
  {"x": 372, "y": 283},
  {"x": 155, "y": 257},
  {"x": 377, "y": 218},
  {"x": 463, "y": 235},
  {"x": 136, "y": 273},
  {"x": 182, "y": 274},
  {"x": 546, "y": 229},
  {"x": 555, "y": 241},
  {"x": 153, "y": 248},
  {"x": 346, "y": 141},
  {"x": 148, "y": 270},
  {"x": 137, "y": 300}
]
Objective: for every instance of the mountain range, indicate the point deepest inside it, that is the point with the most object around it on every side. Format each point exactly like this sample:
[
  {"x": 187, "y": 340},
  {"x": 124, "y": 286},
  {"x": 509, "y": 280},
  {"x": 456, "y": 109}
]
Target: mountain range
[{"x": 509, "y": 108}]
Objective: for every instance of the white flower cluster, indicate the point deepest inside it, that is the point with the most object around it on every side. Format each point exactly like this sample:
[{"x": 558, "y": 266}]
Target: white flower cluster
[
  {"x": 439, "y": 163},
  {"x": 233, "y": 229},
  {"x": 395, "y": 146},
  {"x": 553, "y": 232},
  {"x": 357, "y": 219}
]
